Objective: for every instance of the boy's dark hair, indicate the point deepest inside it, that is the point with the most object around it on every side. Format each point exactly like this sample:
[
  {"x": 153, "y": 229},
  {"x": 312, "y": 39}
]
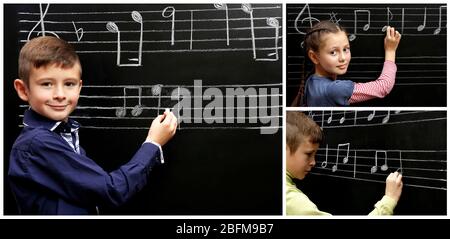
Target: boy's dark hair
[
  {"x": 299, "y": 126},
  {"x": 44, "y": 51},
  {"x": 312, "y": 41}
]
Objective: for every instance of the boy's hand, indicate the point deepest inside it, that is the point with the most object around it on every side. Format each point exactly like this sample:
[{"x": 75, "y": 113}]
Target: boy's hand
[
  {"x": 163, "y": 128},
  {"x": 394, "y": 186},
  {"x": 391, "y": 42}
]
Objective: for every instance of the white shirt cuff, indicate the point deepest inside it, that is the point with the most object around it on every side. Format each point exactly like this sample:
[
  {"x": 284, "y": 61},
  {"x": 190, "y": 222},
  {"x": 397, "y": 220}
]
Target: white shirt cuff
[{"x": 160, "y": 149}]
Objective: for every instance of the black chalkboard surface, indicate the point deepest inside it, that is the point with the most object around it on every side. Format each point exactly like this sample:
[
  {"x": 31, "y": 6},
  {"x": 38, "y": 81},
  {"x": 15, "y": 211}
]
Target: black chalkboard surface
[
  {"x": 216, "y": 66},
  {"x": 361, "y": 148},
  {"x": 421, "y": 56}
]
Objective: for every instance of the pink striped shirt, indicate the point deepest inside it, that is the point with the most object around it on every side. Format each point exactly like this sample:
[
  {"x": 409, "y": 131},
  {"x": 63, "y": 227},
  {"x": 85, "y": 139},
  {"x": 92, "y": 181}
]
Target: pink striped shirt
[{"x": 378, "y": 88}]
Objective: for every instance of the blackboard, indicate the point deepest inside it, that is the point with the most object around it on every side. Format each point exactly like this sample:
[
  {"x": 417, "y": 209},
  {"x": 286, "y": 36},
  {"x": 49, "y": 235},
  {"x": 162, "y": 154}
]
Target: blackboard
[
  {"x": 222, "y": 61},
  {"x": 421, "y": 56},
  {"x": 361, "y": 148}
]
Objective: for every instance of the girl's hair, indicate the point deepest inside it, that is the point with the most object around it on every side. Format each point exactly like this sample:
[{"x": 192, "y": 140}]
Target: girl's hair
[
  {"x": 43, "y": 51},
  {"x": 300, "y": 126},
  {"x": 312, "y": 41}
]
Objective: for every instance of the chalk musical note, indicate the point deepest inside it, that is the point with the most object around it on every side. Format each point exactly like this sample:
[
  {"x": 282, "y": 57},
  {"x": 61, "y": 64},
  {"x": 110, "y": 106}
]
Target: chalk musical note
[
  {"x": 137, "y": 17},
  {"x": 223, "y": 6},
  {"x": 78, "y": 31},
  {"x": 342, "y": 120},
  {"x": 371, "y": 115},
  {"x": 156, "y": 91},
  {"x": 273, "y": 22},
  {"x": 330, "y": 118},
  {"x": 41, "y": 22},
  {"x": 171, "y": 13},
  {"x": 386, "y": 118},
  {"x": 438, "y": 30},
  {"x": 422, "y": 26},
  {"x": 192, "y": 29},
  {"x": 403, "y": 20},
  {"x": 247, "y": 8},
  {"x": 365, "y": 27},
  {"x": 112, "y": 27},
  {"x": 384, "y": 167},
  {"x": 136, "y": 110},
  {"x": 389, "y": 18},
  {"x": 344, "y": 160},
  {"x": 324, "y": 163},
  {"x": 308, "y": 18},
  {"x": 374, "y": 168}
]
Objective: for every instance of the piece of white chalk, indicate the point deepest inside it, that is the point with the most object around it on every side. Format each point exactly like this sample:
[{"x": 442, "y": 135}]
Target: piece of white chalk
[{"x": 167, "y": 110}]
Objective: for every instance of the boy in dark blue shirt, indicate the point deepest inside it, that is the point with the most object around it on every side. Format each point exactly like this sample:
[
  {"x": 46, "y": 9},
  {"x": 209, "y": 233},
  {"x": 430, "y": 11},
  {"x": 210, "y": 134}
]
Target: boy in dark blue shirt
[{"x": 49, "y": 172}]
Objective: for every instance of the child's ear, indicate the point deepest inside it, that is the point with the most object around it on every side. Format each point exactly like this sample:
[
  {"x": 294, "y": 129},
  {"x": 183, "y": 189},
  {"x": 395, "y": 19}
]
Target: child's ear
[
  {"x": 21, "y": 88},
  {"x": 312, "y": 55}
]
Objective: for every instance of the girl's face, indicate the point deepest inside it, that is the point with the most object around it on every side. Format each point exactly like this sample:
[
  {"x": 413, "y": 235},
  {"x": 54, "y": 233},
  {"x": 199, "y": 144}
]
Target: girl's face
[{"x": 333, "y": 56}]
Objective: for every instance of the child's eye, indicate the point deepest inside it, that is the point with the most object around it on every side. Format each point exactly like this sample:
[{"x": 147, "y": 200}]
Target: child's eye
[
  {"x": 70, "y": 84},
  {"x": 333, "y": 53},
  {"x": 347, "y": 49},
  {"x": 46, "y": 84}
]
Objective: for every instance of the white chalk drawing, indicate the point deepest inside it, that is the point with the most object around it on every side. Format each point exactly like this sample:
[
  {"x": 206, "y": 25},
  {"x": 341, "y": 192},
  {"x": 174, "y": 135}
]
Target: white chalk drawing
[
  {"x": 247, "y": 8},
  {"x": 438, "y": 29},
  {"x": 422, "y": 168},
  {"x": 112, "y": 27},
  {"x": 78, "y": 31},
  {"x": 307, "y": 18},
  {"x": 345, "y": 159},
  {"x": 144, "y": 102},
  {"x": 41, "y": 23},
  {"x": 423, "y": 25},
  {"x": 273, "y": 22},
  {"x": 137, "y": 109},
  {"x": 347, "y": 119},
  {"x": 365, "y": 27},
  {"x": 364, "y": 166},
  {"x": 169, "y": 12},
  {"x": 389, "y": 16},
  {"x": 223, "y": 6},
  {"x": 265, "y": 35}
]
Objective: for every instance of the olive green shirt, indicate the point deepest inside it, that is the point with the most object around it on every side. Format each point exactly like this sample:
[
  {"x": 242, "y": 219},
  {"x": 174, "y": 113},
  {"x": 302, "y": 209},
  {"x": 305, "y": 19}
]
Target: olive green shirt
[{"x": 297, "y": 203}]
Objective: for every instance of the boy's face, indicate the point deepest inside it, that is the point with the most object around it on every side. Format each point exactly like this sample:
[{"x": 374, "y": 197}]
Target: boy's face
[
  {"x": 334, "y": 55},
  {"x": 53, "y": 91},
  {"x": 300, "y": 162}
]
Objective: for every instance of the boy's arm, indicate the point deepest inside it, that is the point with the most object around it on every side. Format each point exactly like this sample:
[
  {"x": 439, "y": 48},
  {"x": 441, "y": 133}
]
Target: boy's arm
[{"x": 53, "y": 165}]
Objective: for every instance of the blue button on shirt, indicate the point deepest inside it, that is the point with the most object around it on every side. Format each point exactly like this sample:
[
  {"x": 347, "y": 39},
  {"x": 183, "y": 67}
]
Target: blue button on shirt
[
  {"x": 49, "y": 172},
  {"x": 321, "y": 91}
]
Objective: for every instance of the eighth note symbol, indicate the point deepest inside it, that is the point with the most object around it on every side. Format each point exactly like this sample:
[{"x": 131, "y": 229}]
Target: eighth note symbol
[{"x": 137, "y": 109}]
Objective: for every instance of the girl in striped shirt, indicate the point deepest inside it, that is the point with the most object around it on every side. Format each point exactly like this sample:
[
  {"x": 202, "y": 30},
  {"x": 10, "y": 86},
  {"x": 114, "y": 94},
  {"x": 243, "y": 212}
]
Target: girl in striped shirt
[{"x": 327, "y": 46}]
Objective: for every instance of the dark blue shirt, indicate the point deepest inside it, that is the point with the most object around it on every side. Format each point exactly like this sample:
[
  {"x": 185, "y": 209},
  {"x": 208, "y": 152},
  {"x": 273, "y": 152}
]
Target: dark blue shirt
[
  {"x": 48, "y": 175},
  {"x": 321, "y": 91}
]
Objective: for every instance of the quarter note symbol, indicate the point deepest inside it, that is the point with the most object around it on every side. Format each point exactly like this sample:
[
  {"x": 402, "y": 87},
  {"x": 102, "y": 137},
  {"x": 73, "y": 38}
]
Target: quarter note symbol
[
  {"x": 247, "y": 8},
  {"x": 324, "y": 163},
  {"x": 223, "y": 6},
  {"x": 422, "y": 26},
  {"x": 371, "y": 115},
  {"x": 167, "y": 13}
]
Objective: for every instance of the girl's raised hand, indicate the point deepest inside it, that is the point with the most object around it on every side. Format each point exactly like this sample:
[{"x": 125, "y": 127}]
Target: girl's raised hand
[{"x": 391, "y": 42}]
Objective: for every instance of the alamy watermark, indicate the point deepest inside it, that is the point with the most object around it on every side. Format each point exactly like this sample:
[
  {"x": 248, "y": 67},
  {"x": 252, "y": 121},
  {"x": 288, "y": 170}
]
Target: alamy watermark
[{"x": 235, "y": 105}]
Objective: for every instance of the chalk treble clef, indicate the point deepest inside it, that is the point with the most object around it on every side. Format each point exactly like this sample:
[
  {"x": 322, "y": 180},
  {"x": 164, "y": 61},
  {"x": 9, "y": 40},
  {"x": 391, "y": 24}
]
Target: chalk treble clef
[{"x": 42, "y": 23}]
